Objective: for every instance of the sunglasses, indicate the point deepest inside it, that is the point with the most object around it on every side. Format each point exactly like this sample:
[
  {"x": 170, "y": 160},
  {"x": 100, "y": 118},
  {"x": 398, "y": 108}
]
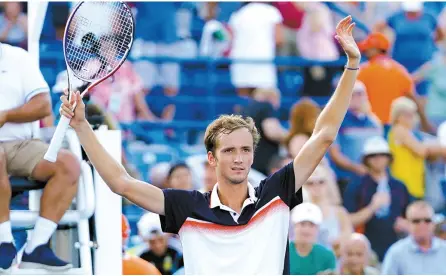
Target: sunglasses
[
  {"x": 319, "y": 182},
  {"x": 419, "y": 220}
]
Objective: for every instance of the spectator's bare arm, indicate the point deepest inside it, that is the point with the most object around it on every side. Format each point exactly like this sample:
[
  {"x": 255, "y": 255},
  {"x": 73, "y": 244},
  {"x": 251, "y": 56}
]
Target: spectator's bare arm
[
  {"x": 421, "y": 149},
  {"x": 420, "y": 74},
  {"x": 366, "y": 213},
  {"x": 344, "y": 162},
  {"x": 37, "y": 108},
  {"x": 273, "y": 130},
  {"x": 279, "y": 35},
  {"x": 142, "y": 109}
]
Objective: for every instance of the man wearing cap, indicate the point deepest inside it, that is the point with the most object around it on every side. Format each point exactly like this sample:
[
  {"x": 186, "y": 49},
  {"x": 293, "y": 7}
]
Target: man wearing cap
[
  {"x": 370, "y": 199},
  {"x": 161, "y": 252},
  {"x": 307, "y": 257},
  {"x": 385, "y": 79},
  {"x": 359, "y": 124}
]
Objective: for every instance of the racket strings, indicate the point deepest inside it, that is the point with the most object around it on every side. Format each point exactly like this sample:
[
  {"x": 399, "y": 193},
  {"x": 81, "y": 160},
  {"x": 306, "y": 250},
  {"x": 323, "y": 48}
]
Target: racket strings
[{"x": 98, "y": 39}]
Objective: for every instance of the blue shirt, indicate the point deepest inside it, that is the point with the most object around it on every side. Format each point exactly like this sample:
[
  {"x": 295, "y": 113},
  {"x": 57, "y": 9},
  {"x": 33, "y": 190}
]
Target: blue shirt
[
  {"x": 405, "y": 257},
  {"x": 217, "y": 239},
  {"x": 414, "y": 42},
  {"x": 156, "y": 21},
  {"x": 379, "y": 230},
  {"x": 353, "y": 133}
]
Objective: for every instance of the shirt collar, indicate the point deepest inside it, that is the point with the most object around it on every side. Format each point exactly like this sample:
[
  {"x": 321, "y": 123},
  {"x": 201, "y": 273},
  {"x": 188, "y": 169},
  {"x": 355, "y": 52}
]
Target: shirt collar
[
  {"x": 215, "y": 200},
  {"x": 434, "y": 247}
]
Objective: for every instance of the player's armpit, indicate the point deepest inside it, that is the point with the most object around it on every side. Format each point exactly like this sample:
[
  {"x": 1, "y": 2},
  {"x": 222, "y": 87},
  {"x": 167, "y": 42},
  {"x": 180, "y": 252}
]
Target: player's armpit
[{"x": 143, "y": 194}]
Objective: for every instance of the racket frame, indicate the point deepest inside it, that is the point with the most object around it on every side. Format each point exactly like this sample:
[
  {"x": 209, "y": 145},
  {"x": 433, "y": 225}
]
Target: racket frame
[{"x": 64, "y": 122}]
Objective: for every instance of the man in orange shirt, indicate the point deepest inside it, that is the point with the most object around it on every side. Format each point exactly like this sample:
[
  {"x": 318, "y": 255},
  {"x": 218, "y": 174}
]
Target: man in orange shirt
[
  {"x": 386, "y": 79},
  {"x": 133, "y": 265}
]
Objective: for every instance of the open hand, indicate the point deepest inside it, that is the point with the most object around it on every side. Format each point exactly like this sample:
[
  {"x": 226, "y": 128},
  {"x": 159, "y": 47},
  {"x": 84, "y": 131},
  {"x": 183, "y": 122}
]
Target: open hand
[{"x": 344, "y": 35}]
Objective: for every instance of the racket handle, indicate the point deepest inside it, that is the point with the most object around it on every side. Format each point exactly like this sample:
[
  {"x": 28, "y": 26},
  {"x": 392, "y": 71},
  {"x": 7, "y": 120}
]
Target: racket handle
[{"x": 56, "y": 141}]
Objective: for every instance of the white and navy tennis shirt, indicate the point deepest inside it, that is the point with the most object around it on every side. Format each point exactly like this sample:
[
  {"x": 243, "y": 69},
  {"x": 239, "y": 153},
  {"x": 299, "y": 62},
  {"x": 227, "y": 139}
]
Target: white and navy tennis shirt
[{"x": 217, "y": 240}]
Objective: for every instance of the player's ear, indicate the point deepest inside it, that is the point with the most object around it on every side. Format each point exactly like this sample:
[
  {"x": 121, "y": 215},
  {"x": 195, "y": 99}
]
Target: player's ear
[{"x": 212, "y": 159}]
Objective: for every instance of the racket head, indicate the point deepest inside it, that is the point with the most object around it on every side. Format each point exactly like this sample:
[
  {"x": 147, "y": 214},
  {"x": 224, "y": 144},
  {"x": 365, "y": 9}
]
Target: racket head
[{"x": 98, "y": 38}]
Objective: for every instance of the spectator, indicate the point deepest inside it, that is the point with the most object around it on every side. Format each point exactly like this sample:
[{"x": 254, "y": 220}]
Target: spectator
[
  {"x": 256, "y": 31},
  {"x": 306, "y": 256},
  {"x": 415, "y": 32},
  {"x": 358, "y": 125},
  {"x": 355, "y": 256},
  {"x": 278, "y": 162},
  {"x": 421, "y": 252},
  {"x": 292, "y": 14},
  {"x": 161, "y": 41},
  {"x": 336, "y": 225},
  {"x": 133, "y": 265},
  {"x": 209, "y": 178},
  {"x": 315, "y": 36},
  {"x": 215, "y": 41},
  {"x": 382, "y": 73},
  {"x": 377, "y": 201},
  {"x": 408, "y": 150},
  {"x": 179, "y": 177},
  {"x": 263, "y": 109},
  {"x": 315, "y": 41},
  {"x": 14, "y": 25},
  {"x": 122, "y": 94},
  {"x": 434, "y": 72},
  {"x": 303, "y": 117},
  {"x": 161, "y": 250},
  {"x": 158, "y": 174},
  {"x": 25, "y": 100},
  {"x": 440, "y": 230}
]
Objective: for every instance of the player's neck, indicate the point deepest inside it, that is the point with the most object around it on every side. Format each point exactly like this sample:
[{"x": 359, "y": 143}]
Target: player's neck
[{"x": 233, "y": 195}]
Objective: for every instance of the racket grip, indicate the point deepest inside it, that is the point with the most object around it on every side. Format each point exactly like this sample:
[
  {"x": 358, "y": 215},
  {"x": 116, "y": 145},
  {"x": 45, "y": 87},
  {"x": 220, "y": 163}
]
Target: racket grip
[{"x": 56, "y": 141}]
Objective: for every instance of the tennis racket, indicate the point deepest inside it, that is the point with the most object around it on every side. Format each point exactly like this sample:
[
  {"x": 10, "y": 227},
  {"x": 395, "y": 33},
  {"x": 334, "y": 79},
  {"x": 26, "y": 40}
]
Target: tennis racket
[{"x": 98, "y": 37}]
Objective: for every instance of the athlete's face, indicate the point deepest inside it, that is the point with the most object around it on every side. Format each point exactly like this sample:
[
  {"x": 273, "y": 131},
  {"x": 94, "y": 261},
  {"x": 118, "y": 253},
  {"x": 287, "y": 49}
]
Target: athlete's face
[{"x": 234, "y": 155}]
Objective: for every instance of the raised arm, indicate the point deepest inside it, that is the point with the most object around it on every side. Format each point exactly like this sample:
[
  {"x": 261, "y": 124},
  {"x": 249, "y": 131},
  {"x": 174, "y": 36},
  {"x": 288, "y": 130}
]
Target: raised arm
[
  {"x": 331, "y": 117},
  {"x": 115, "y": 176}
]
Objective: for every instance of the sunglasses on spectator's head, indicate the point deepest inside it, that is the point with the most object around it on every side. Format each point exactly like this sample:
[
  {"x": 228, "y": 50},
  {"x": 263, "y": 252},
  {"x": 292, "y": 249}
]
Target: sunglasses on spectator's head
[
  {"x": 313, "y": 182},
  {"x": 419, "y": 220}
]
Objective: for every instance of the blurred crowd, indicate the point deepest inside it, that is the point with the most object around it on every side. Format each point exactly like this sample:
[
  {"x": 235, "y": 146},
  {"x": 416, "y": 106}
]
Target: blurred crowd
[{"x": 376, "y": 203}]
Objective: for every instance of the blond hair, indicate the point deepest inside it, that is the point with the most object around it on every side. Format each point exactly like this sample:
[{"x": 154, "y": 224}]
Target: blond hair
[
  {"x": 226, "y": 124},
  {"x": 399, "y": 105}
]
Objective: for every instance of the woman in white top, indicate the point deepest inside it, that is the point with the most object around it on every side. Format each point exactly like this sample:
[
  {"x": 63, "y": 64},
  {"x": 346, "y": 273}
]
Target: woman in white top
[
  {"x": 256, "y": 30},
  {"x": 336, "y": 225}
]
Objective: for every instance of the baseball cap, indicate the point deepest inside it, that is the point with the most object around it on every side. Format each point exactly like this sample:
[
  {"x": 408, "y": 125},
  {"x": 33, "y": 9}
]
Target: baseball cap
[
  {"x": 149, "y": 226},
  {"x": 62, "y": 82},
  {"x": 374, "y": 40},
  {"x": 306, "y": 211},
  {"x": 375, "y": 145},
  {"x": 412, "y": 6}
]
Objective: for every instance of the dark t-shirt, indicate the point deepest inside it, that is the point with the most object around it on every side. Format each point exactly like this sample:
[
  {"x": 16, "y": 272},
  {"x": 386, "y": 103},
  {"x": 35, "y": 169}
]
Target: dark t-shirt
[
  {"x": 379, "y": 230},
  {"x": 260, "y": 111},
  {"x": 167, "y": 264}
]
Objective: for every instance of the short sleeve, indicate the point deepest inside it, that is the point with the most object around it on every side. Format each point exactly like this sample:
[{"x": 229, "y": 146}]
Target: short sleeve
[
  {"x": 331, "y": 261},
  {"x": 281, "y": 183},
  {"x": 178, "y": 206},
  {"x": 33, "y": 82},
  {"x": 391, "y": 20}
]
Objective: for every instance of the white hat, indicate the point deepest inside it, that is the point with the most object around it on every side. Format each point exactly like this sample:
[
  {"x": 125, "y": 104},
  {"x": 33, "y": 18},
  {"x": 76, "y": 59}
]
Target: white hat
[
  {"x": 62, "y": 82},
  {"x": 412, "y": 6},
  {"x": 375, "y": 145},
  {"x": 149, "y": 226},
  {"x": 306, "y": 211}
]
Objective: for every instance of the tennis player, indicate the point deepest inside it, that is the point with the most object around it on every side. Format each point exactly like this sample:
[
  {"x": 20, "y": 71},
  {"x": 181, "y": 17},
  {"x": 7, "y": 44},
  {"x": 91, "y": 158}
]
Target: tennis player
[{"x": 235, "y": 228}]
